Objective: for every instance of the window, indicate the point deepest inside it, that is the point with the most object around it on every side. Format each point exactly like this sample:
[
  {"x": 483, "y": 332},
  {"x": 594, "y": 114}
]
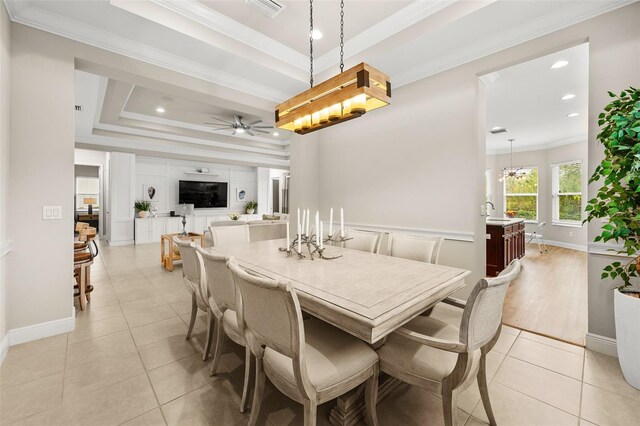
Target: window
[
  {"x": 567, "y": 192},
  {"x": 521, "y": 195}
]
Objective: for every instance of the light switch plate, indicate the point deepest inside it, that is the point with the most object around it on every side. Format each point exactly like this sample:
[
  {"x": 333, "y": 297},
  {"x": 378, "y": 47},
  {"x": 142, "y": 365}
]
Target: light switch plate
[{"x": 51, "y": 212}]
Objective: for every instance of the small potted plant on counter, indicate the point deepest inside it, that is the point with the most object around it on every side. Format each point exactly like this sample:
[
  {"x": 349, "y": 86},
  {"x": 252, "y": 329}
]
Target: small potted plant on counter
[
  {"x": 618, "y": 200},
  {"x": 142, "y": 208},
  {"x": 250, "y": 207}
]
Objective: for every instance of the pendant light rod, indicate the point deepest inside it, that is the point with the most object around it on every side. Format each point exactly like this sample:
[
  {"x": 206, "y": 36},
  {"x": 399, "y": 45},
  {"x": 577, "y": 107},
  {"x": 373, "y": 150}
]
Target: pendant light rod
[
  {"x": 311, "y": 42},
  {"x": 511, "y": 141},
  {"x": 341, "y": 35}
]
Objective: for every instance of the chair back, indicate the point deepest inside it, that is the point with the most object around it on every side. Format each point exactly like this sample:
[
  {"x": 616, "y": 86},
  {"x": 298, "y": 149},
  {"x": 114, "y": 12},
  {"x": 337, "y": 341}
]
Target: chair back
[
  {"x": 483, "y": 312},
  {"x": 415, "y": 247},
  {"x": 190, "y": 262},
  {"x": 541, "y": 226},
  {"x": 81, "y": 225},
  {"x": 218, "y": 280},
  {"x": 368, "y": 241},
  {"x": 229, "y": 235}
]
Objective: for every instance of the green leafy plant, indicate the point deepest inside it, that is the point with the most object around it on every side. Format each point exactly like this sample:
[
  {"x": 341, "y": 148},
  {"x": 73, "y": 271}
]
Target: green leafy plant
[
  {"x": 619, "y": 197},
  {"x": 142, "y": 205},
  {"x": 250, "y": 205}
]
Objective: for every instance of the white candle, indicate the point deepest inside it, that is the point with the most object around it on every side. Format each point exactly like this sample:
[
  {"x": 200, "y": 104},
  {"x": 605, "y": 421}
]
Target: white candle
[
  {"x": 341, "y": 222},
  {"x": 288, "y": 235},
  {"x": 321, "y": 237},
  {"x": 317, "y": 227},
  {"x": 298, "y": 222},
  {"x": 304, "y": 215},
  {"x": 308, "y": 217},
  {"x": 331, "y": 221}
]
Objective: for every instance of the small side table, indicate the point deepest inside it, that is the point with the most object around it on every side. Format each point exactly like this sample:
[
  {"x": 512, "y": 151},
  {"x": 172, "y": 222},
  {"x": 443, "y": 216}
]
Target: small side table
[{"x": 168, "y": 252}]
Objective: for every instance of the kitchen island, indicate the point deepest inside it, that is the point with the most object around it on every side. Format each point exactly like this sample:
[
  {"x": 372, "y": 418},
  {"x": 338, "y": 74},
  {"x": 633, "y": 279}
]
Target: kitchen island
[{"x": 505, "y": 242}]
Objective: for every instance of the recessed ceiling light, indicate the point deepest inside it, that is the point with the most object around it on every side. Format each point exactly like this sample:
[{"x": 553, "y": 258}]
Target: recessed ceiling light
[
  {"x": 160, "y": 110},
  {"x": 568, "y": 96},
  {"x": 496, "y": 128},
  {"x": 560, "y": 64},
  {"x": 239, "y": 130},
  {"x": 316, "y": 34},
  {"x": 276, "y": 134},
  {"x": 573, "y": 114}
]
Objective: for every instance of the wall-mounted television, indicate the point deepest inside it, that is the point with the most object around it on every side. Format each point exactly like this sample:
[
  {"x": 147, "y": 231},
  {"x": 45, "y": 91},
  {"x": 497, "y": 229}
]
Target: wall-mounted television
[{"x": 204, "y": 195}]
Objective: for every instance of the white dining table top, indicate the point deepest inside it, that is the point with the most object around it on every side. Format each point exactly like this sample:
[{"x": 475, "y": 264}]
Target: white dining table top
[{"x": 365, "y": 294}]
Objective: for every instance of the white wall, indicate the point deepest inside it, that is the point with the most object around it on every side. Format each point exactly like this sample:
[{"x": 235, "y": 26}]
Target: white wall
[
  {"x": 420, "y": 162},
  {"x": 5, "y": 118},
  {"x": 572, "y": 237},
  {"x": 40, "y": 267},
  {"x": 164, "y": 175}
]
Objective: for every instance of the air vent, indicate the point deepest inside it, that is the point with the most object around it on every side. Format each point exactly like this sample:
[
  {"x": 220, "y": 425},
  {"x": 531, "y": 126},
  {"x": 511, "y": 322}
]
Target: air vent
[
  {"x": 499, "y": 130},
  {"x": 270, "y": 8},
  {"x": 78, "y": 107}
]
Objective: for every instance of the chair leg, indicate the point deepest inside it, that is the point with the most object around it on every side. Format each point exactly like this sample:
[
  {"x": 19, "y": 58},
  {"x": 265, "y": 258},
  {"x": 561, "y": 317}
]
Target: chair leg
[
  {"x": 257, "y": 393},
  {"x": 217, "y": 351},
  {"x": 310, "y": 412},
  {"x": 88, "y": 295},
  {"x": 544, "y": 244},
  {"x": 247, "y": 377},
  {"x": 371, "y": 397},
  {"x": 450, "y": 407},
  {"x": 484, "y": 390},
  {"x": 82, "y": 287},
  {"x": 210, "y": 331},
  {"x": 194, "y": 313}
]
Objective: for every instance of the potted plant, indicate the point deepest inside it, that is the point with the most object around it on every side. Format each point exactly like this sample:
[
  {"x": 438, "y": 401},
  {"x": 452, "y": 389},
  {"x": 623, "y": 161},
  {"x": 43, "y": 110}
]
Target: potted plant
[
  {"x": 234, "y": 215},
  {"x": 142, "y": 207},
  {"x": 618, "y": 200},
  {"x": 250, "y": 207}
]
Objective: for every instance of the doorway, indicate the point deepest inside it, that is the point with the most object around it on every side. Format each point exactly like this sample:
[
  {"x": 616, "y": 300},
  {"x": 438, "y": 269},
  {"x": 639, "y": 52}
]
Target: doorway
[{"x": 536, "y": 176}]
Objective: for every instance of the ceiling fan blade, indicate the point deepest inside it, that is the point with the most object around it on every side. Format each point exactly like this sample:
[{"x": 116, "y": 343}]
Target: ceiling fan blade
[
  {"x": 260, "y": 131},
  {"x": 262, "y": 127},
  {"x": 254, "y": 122},
  {"x": 238, "y": 119},
  {"x": 221, "y": 128},
  {"x": 220, "y": 119},
  {"x": 234, "y": 132},
  {"x": 250, "y": 133}
]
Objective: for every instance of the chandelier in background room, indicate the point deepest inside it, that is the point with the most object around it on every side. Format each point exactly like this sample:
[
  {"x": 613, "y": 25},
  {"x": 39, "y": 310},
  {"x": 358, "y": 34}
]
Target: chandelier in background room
[
  {"x": 511, "y": 172},
  {"x": 343, "y": 97}
]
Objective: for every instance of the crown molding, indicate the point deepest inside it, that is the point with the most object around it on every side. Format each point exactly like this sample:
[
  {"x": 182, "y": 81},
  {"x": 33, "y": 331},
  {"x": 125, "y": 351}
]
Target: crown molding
[
  {"x": 27, "y": 14},
  {"x": 187, "y": 139},
  {"x": 153, "y": 149},
  {"x": 541, "y": 147},
  {"x": 197, "y": 127},
  {"x": 231, "y": 28},
  {"x": 534, "y": 28}
]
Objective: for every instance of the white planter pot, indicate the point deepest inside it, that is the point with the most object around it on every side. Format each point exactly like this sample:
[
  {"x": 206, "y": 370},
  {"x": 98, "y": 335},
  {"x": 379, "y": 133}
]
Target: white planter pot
[
  {"x": 250, "y": 211},
  {"x": 627, "y": 312},
  {"x": 143, "y": 214}
]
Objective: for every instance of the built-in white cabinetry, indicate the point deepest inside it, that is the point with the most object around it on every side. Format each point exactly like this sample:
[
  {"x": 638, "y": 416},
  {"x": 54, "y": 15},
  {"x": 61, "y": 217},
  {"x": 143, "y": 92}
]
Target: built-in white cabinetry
[{"x": 149, "y": 230}]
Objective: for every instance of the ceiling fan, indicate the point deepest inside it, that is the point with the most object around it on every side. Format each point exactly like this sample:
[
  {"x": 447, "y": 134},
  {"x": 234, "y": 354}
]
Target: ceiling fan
[{"x": 239, "y": 127}]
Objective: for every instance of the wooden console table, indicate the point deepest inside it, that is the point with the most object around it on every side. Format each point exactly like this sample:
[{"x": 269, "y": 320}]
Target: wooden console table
[{"x": 169, "y": 252}]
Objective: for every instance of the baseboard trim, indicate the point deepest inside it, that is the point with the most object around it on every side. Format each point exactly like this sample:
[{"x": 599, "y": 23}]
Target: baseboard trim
[
  {"x": 121, "y": 243},
  {"x": 602, "y": 344},
  {"x": 4, "y": 347},
  {"x": 560, "y": 244},
  {"x": 41, "y": 330}
]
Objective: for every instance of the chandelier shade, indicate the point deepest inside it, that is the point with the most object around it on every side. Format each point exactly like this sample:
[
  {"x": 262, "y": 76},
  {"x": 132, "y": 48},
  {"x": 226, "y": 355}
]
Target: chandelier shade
[{"x": 343, "y": 97}]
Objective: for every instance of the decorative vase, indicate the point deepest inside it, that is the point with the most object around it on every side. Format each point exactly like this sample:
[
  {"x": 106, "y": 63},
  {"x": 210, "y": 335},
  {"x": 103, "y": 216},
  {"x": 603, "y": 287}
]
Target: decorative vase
[
  {"x": 143, "y": 214},
  {"x": 627, "y": 316},
  {"x": 250, "y": 211}
]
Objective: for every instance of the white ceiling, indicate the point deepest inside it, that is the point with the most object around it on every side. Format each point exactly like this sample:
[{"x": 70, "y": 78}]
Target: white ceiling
[
  {"x": 526, "y": 100},
  {"x": 265, "y": 61}
]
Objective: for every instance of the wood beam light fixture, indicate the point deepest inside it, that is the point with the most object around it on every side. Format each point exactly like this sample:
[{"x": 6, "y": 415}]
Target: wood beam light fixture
[{"x": 348, "y": 95}]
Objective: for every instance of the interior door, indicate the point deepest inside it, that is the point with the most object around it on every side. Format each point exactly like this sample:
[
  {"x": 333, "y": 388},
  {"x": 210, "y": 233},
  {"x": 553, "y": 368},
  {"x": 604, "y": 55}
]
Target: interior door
[{"x": 276, "y": 194}]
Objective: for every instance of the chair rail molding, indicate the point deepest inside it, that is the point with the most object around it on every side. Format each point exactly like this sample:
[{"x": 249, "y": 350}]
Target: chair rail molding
[
  {"x": 448, "y": 235},
  {"x": 604, "y": 249}
]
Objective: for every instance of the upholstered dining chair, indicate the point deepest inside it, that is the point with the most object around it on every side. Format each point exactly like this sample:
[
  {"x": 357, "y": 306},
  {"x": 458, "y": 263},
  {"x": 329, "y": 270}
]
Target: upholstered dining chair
[
  {"x": 218, "y": 282},
  {"x": 192, "y": 278},
  {"x": 444, "y": 359},
  {"x": 415, "y": 247},
  {"x": 368, "y": 241},
  {"x": 311, "y": 362},
  {"x": 225, "y": 235}
]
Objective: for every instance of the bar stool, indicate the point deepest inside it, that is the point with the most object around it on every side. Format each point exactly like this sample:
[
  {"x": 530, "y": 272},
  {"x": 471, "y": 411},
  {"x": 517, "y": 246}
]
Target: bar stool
[{"x": 83, "y": 256}]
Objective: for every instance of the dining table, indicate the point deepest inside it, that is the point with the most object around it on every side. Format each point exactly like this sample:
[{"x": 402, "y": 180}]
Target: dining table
[{"x": 364, "y": 294}]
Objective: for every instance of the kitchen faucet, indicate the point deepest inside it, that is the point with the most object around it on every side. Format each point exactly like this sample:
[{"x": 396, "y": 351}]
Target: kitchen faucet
[{"x": 492, "y": 208}]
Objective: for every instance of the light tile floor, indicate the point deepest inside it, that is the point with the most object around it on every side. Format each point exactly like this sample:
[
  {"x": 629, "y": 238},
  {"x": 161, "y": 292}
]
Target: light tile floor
[{"x": 127, "y": 362}]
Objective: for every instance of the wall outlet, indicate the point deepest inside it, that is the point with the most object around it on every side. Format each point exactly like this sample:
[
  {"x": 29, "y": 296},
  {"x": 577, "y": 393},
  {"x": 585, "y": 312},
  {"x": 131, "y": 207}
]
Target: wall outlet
[
  {"x": 483, "y": 210},
  {"x": 51, "y": 212}
]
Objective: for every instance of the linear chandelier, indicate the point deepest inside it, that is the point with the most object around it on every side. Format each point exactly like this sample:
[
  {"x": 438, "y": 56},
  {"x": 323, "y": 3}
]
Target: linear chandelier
[{"x": 343, "y": 97}]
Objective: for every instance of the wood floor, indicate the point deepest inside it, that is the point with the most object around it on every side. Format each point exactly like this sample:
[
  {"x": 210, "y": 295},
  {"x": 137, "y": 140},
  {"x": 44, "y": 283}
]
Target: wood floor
[{"x": 550, "y": 295}]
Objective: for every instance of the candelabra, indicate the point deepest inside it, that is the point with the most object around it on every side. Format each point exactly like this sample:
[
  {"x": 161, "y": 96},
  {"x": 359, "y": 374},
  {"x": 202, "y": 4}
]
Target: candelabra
[{"x": 311, "y": 244}]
